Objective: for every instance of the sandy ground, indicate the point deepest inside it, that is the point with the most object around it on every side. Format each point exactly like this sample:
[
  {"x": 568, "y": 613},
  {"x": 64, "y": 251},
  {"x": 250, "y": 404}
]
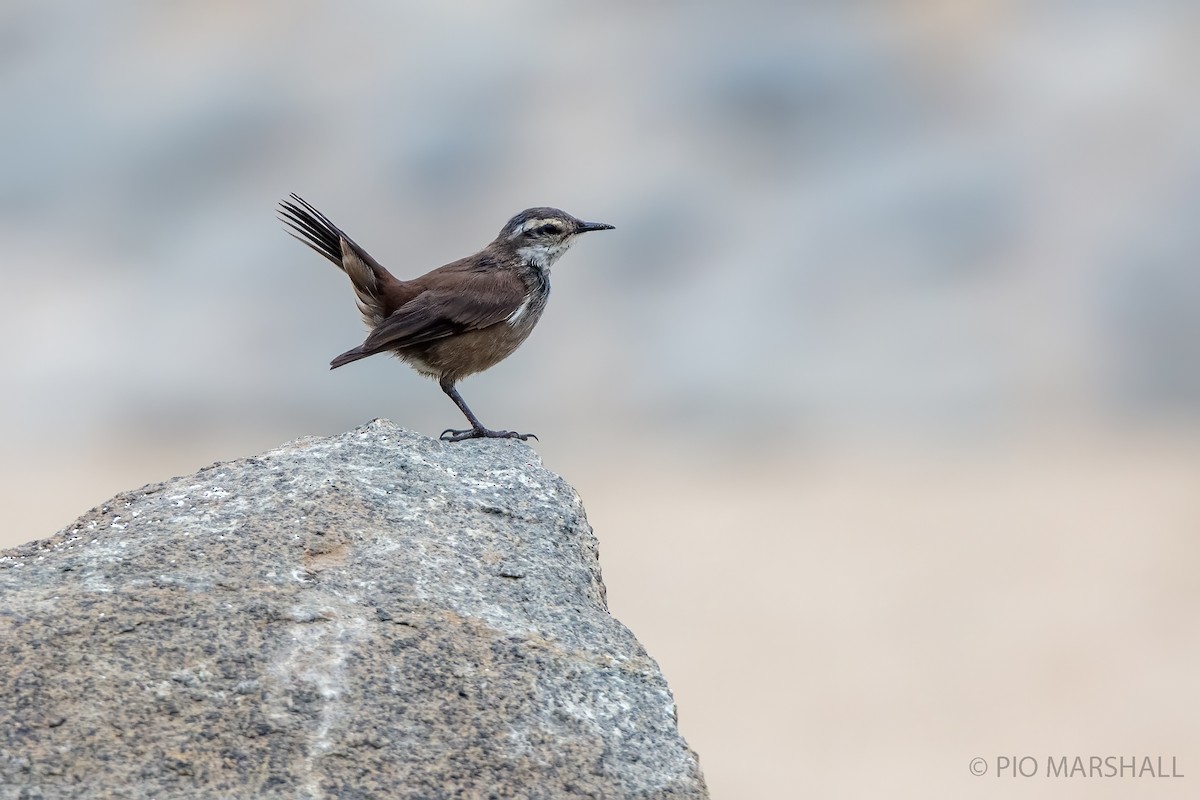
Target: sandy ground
[{"x": 864, "y": 624}]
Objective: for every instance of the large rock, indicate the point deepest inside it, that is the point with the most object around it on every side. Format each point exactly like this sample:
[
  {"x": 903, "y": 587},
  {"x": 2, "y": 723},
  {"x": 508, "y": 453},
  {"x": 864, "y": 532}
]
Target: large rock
[{"x": 373, "y": 615}]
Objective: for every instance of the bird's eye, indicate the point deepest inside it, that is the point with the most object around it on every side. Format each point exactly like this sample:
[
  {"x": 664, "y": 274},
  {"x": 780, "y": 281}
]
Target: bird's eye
[{"x": 550, "y": 229}]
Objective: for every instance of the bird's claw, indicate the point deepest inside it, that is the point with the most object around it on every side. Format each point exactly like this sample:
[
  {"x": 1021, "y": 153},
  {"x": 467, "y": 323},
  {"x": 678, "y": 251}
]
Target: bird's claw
[{"x": 483, "y": 433}]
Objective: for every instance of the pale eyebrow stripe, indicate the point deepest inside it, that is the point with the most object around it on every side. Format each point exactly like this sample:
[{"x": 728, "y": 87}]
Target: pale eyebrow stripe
[{"x": 530, "y": 224}]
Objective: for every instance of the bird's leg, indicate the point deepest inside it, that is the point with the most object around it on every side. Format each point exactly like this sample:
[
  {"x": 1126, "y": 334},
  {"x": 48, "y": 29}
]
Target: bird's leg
[{"x": 476, "y": 431}]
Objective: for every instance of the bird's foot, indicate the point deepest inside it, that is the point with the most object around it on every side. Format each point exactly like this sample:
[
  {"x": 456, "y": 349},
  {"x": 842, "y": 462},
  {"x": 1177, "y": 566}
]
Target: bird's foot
[{"x": 452, "y": 435}]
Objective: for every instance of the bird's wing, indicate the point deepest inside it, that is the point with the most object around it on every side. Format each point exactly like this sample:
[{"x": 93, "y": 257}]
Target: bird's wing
[{"x": 476, "y": 300}]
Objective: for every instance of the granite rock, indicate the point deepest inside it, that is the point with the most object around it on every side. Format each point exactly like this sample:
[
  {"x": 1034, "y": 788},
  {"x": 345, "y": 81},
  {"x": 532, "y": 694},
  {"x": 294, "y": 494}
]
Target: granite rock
[{"x": 371, "y": 615}]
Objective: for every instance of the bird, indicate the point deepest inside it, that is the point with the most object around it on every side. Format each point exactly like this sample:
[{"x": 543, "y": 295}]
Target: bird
[{"x": 458, "y": 319}]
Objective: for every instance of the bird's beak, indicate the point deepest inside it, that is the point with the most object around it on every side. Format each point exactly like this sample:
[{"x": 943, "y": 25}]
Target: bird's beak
[{"x": 584, "y": 227}]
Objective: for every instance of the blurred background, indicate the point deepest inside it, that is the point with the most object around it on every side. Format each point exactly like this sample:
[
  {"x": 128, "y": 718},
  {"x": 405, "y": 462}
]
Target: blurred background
[{"x": 883, "y": 397}]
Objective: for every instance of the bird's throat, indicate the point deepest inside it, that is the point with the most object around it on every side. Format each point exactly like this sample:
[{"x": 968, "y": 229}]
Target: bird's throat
[{"x": 542, "y": 256}]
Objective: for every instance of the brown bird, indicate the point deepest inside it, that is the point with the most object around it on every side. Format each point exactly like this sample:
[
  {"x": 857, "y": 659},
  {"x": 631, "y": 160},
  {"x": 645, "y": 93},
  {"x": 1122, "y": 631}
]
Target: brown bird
[{"x": 458, "y": 319}]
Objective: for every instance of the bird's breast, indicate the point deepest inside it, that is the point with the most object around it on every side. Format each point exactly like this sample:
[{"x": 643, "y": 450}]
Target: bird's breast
[
  {"x": 526, "y": 315},
  {"x": 471, "y": 351},
  {"x": 537, "y": 292},
  {"x": 515, "y": 317}
]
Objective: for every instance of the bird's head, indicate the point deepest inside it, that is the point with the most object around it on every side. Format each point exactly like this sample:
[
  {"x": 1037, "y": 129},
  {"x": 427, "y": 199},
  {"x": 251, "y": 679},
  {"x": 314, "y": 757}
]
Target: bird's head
[{"x": 540, "y": 235}]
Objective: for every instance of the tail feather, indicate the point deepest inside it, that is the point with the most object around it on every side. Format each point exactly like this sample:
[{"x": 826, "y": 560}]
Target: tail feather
[{"x": 314, "y": 228}]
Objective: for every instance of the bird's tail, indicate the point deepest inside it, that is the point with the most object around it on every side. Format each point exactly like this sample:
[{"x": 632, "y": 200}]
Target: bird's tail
[
  {"x": 312, "y": 228},
  {"x": 368, "y": 276}
]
